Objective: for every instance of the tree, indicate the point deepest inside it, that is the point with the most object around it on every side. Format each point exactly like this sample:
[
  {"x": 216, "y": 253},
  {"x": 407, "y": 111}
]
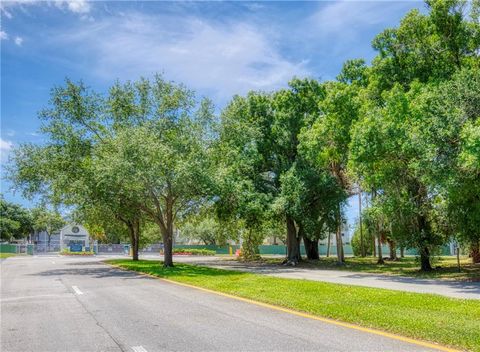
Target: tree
[
  {"x": 15, "y": 221},
  {"x": 309, "y": 196},
  {"x": 368, "y": 239},
  {"x": 203, "y": 226},
  {"x": 65, "y": 170},
  {"x": 326, "y": 144},
  {"x": 295, "y": 109},
  {"x": 451, "y": 118},
  {"x": 160, "y": 161},
  {"x": 403, "y": 140},
  {"x": 427, "y": 47},
  {"x": 258, "y": 146},
  {"x": 48, "y": 221},
  {"x": 387, "y": 155},
  {"x": 242, "y": 182}
]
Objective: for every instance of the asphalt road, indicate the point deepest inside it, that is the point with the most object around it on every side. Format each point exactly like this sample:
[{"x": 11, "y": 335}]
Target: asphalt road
[{"x": 79, "y": 304}]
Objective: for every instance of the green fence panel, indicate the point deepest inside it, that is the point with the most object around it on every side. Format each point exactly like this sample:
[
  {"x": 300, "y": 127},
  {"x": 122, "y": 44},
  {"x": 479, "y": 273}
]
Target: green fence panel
[
  {"x": 8, "y": 248},
  {"x": 281, "y": 249}
]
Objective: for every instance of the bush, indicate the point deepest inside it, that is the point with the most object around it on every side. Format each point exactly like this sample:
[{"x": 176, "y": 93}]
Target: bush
[
  {"x": 67, "y": 252},
  {"x": 367, "y": 241},
  {"x": 193, "y": 251}
]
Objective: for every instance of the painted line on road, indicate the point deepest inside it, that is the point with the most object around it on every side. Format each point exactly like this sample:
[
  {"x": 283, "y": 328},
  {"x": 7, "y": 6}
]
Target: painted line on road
[
  {"x": 139, "y": 349},
  {"x": 77, "y": 290},
  {"x": 305, "y": 315}
]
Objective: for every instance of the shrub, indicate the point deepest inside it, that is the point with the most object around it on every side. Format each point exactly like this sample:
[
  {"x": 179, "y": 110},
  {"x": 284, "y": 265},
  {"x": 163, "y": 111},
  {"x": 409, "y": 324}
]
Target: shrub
[
  {"x": 66, "y": 251},
  {"x": 193, "y": 251},
  {"x": 367, "y": 241}
]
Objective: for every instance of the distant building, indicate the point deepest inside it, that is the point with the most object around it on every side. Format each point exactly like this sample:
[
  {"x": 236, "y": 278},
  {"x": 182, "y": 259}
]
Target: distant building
[{"x": 74, "y": 234}]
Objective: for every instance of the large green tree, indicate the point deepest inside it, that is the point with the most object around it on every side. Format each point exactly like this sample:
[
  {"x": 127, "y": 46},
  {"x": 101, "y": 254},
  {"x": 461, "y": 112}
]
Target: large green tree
[
  {"x": 326, "y": 143},
  {"x": 15, "y": 221},
  {"x": 158, "y": 155},
  {"x": 259, "y": 147},
  {"x": 64, "y": 170}
]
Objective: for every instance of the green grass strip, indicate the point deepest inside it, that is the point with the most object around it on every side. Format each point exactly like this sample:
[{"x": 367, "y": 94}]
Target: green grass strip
[
  {"x": 448, "y": 321},
  {"x": 7, "y": 255}
]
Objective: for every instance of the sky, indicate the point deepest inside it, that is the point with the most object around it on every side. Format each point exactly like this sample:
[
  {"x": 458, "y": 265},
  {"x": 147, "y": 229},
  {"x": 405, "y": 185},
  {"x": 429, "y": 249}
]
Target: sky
[{"x": 219, "y": 49}]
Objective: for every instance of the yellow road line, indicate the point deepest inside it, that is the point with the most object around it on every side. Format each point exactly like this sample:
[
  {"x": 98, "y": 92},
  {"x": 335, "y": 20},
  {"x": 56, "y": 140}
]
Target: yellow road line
[{"x": 305, "y": 315}]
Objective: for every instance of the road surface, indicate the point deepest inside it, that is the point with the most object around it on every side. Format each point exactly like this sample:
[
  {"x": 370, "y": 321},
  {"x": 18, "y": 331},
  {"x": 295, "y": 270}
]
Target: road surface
[{"x": 52, "y": 303}]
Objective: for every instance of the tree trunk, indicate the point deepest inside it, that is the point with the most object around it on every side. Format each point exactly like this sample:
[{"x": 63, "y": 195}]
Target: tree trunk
[
  {"x": 379, "y": 246},
  {"x": 168, "y": 234},
  {"x": 133, "y": 233},
  {"x": 374, "y": 245},
  {"x": 250, "y": 249},
  {"x": 293, "y": 243},
  {"x": 424, "y": 228},
  {"x": 362, "y": 242},
  {"x": 167, "y": 237},
  {"x": 136, "y": 235},
  {"x": 402, "y": 252},
  {"x": 328, "y": 243},
  {"x": 340, "y": 255},
  {"x": 475, "y": 252},
  {"x": 425, "y": 259},
  {"x": 311, "y": 247},
  {"x": 393, "y": 250}
]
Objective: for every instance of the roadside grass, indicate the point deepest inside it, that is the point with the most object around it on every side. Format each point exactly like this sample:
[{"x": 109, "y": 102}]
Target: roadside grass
[
  {"x": 445, "y": 267},
  {"x": 6, "y": 255},
  {"x": 448, "y": 321}
]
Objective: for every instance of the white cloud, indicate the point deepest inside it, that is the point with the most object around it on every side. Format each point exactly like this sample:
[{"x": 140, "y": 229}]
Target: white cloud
[
  {"x": 5, "y": 148},
  {"x": 5, "y": 145},
  {"x": 75, "y": 6},
  {"x": 80, "y": 7},
  {"x": 220, "y": 59},
  {"x": 18, "y": 41},
  {"x": 5, "y": 12},
  {"x": 3, "y": 35}
]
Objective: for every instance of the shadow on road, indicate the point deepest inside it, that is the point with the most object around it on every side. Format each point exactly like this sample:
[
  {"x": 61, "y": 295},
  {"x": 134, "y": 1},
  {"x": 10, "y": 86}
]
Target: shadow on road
[
  {"x": 99, "y": 272},
  {"x": 104, "y": 270}
]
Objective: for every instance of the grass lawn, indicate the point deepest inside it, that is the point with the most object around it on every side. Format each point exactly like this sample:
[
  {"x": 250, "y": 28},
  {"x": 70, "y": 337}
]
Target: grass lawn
[
  {"x": 6, "y": 255},
  {"x": 447, "y": 321},
  {"x": 445, "y": 267}
]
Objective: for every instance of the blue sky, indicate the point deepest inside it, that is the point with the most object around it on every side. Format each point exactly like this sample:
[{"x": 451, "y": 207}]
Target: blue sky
[{"x": 216, "y": 48}]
